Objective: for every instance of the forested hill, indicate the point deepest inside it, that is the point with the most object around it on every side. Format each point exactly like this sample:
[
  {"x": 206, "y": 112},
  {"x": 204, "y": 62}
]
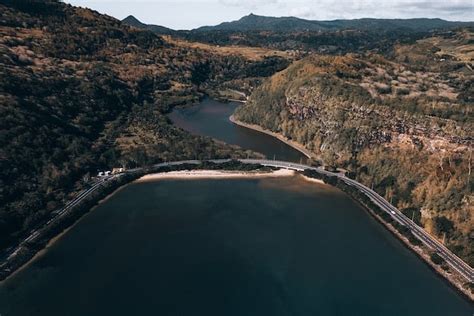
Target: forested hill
[
  {"x": 301, "y": 36},
  {"x": 82, "y": 92},
  {"x": 254, "y": 22}
]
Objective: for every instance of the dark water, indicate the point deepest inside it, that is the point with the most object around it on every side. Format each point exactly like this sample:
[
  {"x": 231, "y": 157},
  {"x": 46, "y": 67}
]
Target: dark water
[
  {"x": 211, "y": 118},
  {"x": 229, "y": 247}
]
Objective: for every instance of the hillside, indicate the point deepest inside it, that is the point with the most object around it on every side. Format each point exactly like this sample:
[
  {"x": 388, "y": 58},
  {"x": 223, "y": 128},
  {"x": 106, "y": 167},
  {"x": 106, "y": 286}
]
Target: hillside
[
  {"x": 254, "y": 22},
  {"x": 400, "y": 124},
  {"x": 299, "y": 37},
  {"x": 82, "y": 92}
]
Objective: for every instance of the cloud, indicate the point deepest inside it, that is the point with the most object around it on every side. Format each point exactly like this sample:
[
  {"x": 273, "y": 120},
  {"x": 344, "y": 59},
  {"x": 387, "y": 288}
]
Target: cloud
[
  {"x": 186, "y": 14},
  {"x": 462, "y": 10},
  {"x": 349, "y": 9},
  {"x": 247, "y": 3},
  {"x": 440, "y": 6},
  {"x": 302, "y": 12}
]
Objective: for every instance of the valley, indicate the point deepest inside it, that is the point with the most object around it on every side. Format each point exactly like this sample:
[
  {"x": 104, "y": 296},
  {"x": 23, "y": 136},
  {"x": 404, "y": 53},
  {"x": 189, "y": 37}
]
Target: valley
[
  {"x": 80, "y": 92},
  {"x": 379, "y": 110}
]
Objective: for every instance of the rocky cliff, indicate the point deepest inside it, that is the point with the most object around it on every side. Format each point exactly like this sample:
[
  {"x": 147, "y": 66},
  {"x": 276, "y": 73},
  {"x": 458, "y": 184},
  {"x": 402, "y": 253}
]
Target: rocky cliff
[{"x": 401, "y": 124}]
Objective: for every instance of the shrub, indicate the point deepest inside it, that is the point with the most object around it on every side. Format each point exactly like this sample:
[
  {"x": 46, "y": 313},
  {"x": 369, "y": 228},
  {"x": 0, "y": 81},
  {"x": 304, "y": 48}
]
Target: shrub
[{"x": 437, "y": 259}]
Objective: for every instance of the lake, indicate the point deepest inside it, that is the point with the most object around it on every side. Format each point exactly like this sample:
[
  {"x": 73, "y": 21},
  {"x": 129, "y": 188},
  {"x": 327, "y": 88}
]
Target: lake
[
  {"x": 229, "y": 247},
  {"x": 277, "y": 246}
]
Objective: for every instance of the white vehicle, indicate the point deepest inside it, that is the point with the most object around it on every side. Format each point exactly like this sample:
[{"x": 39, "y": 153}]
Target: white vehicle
[{"x": 393, "y": 212}]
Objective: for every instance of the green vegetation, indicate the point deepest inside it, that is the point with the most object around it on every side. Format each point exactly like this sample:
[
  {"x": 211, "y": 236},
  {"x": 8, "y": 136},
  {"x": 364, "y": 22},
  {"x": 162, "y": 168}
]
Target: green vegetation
[
  {"x": 301, "y": 36},
  {"x": 412, "y": 213},
  {"x": 82, "y": 92},
  {"x": 414, "y": 148},
  {"x": 444, "y": 225},
  {"x": 367, "y": 202},
  {"x": 254, "y": 22},
  {"x": 436, "y": 258},
  {"x": 49, "y": 231}
]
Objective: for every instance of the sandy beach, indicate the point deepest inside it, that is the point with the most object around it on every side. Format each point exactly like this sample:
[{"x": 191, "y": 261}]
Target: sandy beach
[
  {"x": 214, "y": 174},
  {"x": 313, "y": 180}
]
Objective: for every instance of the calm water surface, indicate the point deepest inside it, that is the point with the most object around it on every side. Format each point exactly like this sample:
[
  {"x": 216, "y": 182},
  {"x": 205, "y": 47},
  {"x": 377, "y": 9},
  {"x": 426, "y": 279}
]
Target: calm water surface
[
  {"x": 229, "y": 247},
  {"x": 211, "y": 118}
]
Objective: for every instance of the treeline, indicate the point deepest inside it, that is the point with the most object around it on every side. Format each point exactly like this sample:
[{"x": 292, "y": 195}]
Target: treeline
[
  {"x": 49, "y": 231},
  {"x": 333, "y": 42},
  {"x": 366, "y": 201},
  {"x": 83, "y": 93}
]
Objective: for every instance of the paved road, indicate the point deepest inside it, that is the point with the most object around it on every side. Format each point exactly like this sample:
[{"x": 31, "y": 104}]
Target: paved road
[
  {"x": 451, "y": 259},
  {"x": 61, "y": 212}
]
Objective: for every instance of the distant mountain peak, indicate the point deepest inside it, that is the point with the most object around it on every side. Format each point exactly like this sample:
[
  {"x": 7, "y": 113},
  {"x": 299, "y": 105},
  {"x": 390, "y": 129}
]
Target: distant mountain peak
[
  {"x": 130, "y": 17},
  {"x": 133, "y": 21},
  {"x": 249, "y": 17}
]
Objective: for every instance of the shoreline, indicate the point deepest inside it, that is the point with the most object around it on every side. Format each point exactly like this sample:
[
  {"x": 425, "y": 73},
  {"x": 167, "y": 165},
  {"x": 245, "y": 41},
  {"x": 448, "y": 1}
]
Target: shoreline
[
  {"x": 58, "y": 237},
  {"x": 309, "y": 179},
  {"x": 182, "y": 175},
  {"x": 213, "y": 174},
  {"x": 452, "y": 279},
  {"x": 280, "y": 137}
]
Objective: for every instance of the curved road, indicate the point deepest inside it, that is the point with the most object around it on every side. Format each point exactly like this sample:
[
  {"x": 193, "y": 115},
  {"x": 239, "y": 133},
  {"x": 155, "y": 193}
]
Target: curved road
[{"x": 451, "y": 259}]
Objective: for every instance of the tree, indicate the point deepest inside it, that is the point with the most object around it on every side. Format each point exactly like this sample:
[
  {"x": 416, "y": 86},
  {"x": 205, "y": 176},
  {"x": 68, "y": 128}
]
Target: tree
[
  {"x": 444, "y": 225},
  {"x": 437, "y": 259},
  {"x": 200, "y": 73}
]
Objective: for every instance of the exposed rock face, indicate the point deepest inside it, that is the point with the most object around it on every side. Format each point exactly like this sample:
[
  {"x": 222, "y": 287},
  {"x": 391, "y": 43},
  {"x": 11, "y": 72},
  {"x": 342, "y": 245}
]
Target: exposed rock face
[
  {"x": 414, "y": 148},
  {"x": 386, "y": 125}
]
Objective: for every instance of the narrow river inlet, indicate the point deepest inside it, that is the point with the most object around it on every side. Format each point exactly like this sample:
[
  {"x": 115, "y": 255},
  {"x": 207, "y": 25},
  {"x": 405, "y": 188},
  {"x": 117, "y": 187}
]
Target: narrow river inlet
[
  {"x": 211, "y": 118},
  {"x": 236, "y": 247}
]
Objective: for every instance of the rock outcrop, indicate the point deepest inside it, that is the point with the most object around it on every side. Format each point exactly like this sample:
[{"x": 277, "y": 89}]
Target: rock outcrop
[{"x": 414, "y": 147}]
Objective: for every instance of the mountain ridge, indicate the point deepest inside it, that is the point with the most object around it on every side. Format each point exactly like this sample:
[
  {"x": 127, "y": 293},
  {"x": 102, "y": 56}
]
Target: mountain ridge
[{"x": 253, "y": 22}]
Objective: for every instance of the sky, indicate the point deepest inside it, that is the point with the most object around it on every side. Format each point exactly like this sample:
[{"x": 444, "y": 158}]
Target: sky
[{"x": 189, "y": 14}]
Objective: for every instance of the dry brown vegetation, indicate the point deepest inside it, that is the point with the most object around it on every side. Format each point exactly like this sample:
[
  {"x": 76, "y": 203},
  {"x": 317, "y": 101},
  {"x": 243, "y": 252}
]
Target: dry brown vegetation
[
  {"x": 248, "y": 52},
  {"x": 402, "y": 123}
]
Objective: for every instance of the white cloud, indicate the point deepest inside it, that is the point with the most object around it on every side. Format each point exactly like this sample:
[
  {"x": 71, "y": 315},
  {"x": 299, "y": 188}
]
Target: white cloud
[
  {"x": 251, "y": 4},
  {"x": 302, "y": 12},
  {"x": 186, "y": 14}
]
